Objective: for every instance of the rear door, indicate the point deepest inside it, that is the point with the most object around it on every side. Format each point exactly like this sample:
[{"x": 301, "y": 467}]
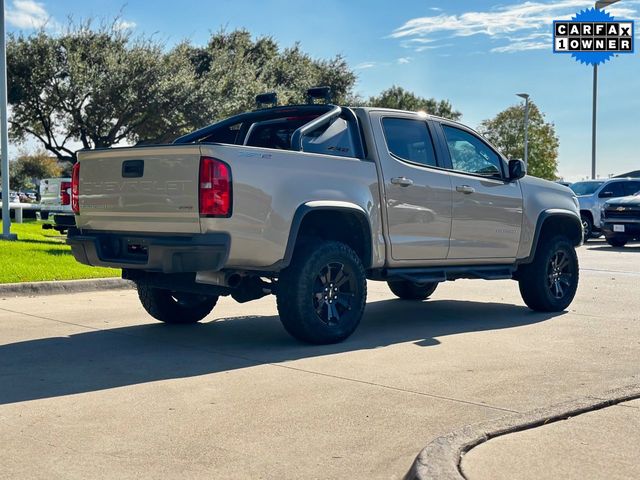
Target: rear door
[
  {"x": 417, "y": 191},
  {"x": 140, "y": 189},
  {"x": 487, "y": 207}
]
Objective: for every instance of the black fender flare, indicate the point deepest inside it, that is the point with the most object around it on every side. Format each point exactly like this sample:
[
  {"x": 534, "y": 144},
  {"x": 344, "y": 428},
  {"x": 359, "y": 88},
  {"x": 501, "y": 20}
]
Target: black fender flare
[
  {"x": 542, "y": 218},
  {"x": 330, "y": 205}
]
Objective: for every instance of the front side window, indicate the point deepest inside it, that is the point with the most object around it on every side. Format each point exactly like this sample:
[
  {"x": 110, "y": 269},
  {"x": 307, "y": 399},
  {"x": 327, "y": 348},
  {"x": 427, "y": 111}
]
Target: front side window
[
  {"x": 612, "y": 190},
  {"x": 409, "y": 140},
  {"x": 469, "y": 154},
  {"x": 631, "y": 188}
]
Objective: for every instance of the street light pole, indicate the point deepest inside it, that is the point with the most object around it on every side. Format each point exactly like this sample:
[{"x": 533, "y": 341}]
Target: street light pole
[
  {"x": 4, "y": 140},
  {"x": 526, "y": 128},
  {"x": 599, "y": 5}
]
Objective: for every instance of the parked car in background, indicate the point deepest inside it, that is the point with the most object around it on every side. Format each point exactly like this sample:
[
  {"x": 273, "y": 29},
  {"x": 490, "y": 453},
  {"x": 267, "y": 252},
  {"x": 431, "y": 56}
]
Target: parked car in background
[
  {"x": 621, "y": 220},
  {"x": 55, "y": 203},
  {"x": 592, "y": 195}
]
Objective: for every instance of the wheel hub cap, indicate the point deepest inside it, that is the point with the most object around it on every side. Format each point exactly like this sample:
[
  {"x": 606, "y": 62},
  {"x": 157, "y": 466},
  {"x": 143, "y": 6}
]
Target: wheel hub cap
[
  {"x": 333, "y": 293},
  {"x": 559, "y": 274}
]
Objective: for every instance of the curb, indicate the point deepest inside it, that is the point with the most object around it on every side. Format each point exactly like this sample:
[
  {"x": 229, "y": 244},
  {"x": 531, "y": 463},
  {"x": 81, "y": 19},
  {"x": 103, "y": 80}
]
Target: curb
[
  {"x": 29, "y": 289},
  {"x": 441, "y": 458}
]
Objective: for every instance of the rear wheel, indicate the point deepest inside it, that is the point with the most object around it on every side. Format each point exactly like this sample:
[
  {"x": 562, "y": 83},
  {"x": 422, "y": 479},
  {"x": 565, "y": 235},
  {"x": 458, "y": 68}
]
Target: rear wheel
[
  {"x": 617, "y": 241},
  {"x": 175, "y": 307},
  {"x": 411, "y": 290},
  {"x": 322, "y": 294},
  {"x": 549, "y": 283}
]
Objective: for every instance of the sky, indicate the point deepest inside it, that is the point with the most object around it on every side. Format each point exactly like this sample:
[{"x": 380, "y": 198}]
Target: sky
[{"x": 477, "y": 54}]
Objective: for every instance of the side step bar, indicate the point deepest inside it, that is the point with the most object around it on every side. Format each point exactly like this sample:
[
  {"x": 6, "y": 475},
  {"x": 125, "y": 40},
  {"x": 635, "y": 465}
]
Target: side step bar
[{"x": 441, "y": 274}]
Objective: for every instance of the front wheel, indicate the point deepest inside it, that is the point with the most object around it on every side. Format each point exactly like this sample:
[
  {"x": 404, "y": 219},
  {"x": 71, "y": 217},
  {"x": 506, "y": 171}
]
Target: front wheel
[
  {"x": 175, "y": 307},
  {"x": 407, "y": 290},
  {"x": 549, "y": 283},
  {"x": 587, "y": 227},
  {"x": 322, "y": 294},
  {"x": 617, "y": 241}
]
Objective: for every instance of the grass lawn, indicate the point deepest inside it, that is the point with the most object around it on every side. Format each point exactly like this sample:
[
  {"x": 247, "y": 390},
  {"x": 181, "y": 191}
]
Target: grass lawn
[{"x": 40, "y": 255}]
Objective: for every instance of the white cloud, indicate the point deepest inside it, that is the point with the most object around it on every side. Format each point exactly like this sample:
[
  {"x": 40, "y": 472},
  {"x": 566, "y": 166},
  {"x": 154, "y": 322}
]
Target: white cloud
[
  {"x": 404, "y": 60},
  {"x": 433, "y": 47},
  {"x": 365, "y": 65},
  {"x": 517, "y": 24},
  {"x": 521, "y": 46},
  {"x": 124, "y": 24},
  {"x": 27, "y": 14}
]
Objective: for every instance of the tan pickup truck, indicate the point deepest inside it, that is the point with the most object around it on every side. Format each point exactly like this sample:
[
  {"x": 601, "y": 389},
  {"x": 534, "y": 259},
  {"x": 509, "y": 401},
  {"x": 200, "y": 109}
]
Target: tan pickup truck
[{"x": 308, "y": 202}]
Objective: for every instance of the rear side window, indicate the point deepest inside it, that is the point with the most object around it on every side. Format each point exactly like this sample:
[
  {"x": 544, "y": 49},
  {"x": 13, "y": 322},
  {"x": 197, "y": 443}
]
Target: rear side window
[
  {"x": 409, "y": 140},
  {"x": 470, "y": 154}
]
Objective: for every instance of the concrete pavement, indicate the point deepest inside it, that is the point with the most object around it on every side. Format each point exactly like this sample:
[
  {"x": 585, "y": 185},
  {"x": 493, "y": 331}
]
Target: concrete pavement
[
  {"x": 91, "y": 387},
  {"x": 599, "y": 444}
]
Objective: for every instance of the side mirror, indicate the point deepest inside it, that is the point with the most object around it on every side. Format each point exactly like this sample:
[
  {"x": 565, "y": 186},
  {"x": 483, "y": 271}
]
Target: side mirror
[
  {"x": 606, "y": 194},
  {"x": 517, "y": 169}
]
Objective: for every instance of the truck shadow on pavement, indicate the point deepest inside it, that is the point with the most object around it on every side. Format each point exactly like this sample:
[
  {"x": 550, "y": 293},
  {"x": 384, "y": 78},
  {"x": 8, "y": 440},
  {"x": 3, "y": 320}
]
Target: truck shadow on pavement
[{"x": 103, "y": 359}]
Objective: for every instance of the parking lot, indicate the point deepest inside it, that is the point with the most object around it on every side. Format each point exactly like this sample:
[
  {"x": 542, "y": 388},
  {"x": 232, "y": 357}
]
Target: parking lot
[{"x": 92, "y": 387}]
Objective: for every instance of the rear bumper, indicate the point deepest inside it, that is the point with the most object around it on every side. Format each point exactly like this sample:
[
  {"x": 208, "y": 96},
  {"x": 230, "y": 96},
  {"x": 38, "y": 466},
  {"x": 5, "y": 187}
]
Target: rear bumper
[
  {"x": 156, "y": 253},
  {"x": 56, "y": 209}
]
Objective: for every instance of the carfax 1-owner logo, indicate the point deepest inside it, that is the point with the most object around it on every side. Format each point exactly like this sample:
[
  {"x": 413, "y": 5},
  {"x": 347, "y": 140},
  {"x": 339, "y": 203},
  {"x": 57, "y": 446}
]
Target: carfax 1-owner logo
[{"x": 593, "y": 36}]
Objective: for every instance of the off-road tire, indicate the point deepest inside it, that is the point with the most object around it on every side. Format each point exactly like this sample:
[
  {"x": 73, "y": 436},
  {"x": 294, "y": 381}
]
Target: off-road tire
[
  {"x": 306, "y": 287},
  {"x": 545, "y": 287},
  {"x": 175, "y": 307},
  {"x": 617, "y": 241},
  {"x": 407, "y": 290}
]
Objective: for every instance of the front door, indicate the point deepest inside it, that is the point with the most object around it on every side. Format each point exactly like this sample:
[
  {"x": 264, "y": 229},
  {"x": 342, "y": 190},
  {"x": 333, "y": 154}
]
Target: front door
[
  {"x": 417, "y": 191},
  {"x": 487, "y": 207}
]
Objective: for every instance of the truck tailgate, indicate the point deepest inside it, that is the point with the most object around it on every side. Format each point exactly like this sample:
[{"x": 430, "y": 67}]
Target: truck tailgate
[{"x": 140, "y": 189}]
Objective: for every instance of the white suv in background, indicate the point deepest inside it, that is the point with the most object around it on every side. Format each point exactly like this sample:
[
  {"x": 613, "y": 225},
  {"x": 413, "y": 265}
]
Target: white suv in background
[{"x": 592, "y": 194}]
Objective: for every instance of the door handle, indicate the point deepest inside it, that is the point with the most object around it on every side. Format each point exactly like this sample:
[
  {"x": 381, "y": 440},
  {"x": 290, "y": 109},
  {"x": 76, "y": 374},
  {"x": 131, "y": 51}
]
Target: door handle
[
  {"x": 465, "y": 189},
  {"x": 402, "y": 181}
]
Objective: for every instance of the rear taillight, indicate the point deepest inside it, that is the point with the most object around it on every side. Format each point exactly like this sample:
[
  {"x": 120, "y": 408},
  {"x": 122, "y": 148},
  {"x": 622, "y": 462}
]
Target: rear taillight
[
  {"x": 65, "y": 193},
  {"x": 214, "y": 188},
  {"x": 75, "y": 188}
]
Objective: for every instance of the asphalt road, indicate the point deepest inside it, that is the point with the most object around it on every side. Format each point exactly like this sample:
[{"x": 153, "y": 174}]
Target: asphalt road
[{"x": 91, "y": 387}]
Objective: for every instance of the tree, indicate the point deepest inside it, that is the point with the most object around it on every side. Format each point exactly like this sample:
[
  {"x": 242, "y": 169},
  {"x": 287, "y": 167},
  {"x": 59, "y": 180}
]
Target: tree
[
  {"x": 99, "y": 85},
  {"x": 27, "y": 168},
  {"x": 506, "y": 131},
  {"x": 401, "y": 99},
  {"x": 93, "y": 85}
]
